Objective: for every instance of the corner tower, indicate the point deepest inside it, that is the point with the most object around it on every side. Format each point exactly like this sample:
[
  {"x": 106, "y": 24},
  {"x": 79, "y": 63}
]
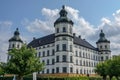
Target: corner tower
[
  {"x": 63, "y": 43},
  {"x": 103, "y": 46},
  {"x": 15, "y": 41}
]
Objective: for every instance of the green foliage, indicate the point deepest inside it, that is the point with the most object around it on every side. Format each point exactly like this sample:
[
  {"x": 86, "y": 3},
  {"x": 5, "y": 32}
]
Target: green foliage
[
  {"x": 23, "y": 61},
  {"x": 110, "y": 67}
]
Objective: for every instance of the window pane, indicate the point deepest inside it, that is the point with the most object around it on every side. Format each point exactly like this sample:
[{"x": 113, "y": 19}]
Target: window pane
[
  {"x": 64, "y": 58},
  {"x": 64, "y": 70},
  {"x": 64, "y": 29},
  {"x": 64, "y": 47}
]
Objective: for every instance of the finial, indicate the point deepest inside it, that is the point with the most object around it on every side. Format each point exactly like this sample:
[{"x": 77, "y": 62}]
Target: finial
[
  {"x": 16, "y": 29},
  {"x": 63, "y": 6}
]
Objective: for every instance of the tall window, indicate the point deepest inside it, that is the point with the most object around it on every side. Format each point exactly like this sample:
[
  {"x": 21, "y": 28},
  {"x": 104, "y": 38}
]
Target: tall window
[
  {"x": 53, "y": 71},
  {"x": 57, "y": 58},
  {"x": 71, "y": 70},
  {"x": 102, "y": 58},
  {"x": 64, "y": 47},
  {"x": 18, "y": 46},
  {"x": 64, "y": 29},
  {"x": 57, "y": 30},
  {"x": 43, "y": 53},
  {"x": 53, "y": 52},
  {"x": 57, "y": 69},
  {"x": 48, "y": 53},
  {"x": 70, "y": 30},
  {"x": 47, "y": 71},
  {"x": 39, "y": 55},
  {"x": 76, "y": 53},
  {"x": 47, "y": 61},
  {"x": 70, "y": 48},
  {"x": 64, "y": 69},
  {"x": 76, "y": 62},
  {"x": 64, "y": 58},
  {"x": 71, "y": 59},
  {"x": 53, "y": 61},
  {"x": 13, "y": 45},
  {"x": 57, "y": 47}
]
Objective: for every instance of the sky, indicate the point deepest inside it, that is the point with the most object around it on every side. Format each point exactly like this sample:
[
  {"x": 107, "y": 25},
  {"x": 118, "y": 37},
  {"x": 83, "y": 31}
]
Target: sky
[{"x": 35, "y": 18}]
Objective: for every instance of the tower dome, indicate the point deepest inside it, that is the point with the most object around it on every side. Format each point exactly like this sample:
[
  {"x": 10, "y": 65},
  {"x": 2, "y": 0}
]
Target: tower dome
[
  {"x": 63, "y": 17},
  {"x": 102, "y": 37},
  {"x": 16, "y": 36}
]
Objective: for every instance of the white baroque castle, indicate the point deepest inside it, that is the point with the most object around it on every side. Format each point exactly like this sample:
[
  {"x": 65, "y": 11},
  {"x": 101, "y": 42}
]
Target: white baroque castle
[{"x": 63, "y": 52}]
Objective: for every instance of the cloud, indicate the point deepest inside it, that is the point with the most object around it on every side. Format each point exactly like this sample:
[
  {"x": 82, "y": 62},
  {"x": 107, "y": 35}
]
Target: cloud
[
  {"x": 81, "y": 27},
  {"x": 5, "y": 28}
]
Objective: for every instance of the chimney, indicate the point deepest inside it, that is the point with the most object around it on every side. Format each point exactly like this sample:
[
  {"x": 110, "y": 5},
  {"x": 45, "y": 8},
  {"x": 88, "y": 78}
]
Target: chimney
[
  {"x": 73, "y": 34},
  {"x": 34, "y": 38},
  {"x": 80, "y": 36}
]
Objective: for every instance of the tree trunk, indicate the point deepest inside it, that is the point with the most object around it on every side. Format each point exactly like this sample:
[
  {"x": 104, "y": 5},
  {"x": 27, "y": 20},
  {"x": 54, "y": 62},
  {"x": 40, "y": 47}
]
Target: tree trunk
[
  {"x": 111, "y": 77},
  {"x": 104, "y": 77},
  {"x": 19, "y": 77}
]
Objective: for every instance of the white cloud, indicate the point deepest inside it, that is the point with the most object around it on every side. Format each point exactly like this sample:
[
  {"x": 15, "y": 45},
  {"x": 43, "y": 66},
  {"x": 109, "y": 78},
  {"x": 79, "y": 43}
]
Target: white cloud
[
  {"x": 5, "y": 28},
  {"x": 82, "y": 27}
]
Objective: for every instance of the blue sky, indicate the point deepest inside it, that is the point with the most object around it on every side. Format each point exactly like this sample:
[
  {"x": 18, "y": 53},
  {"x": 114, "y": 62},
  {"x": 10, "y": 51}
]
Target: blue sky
[{"x": 35, "y": 18}]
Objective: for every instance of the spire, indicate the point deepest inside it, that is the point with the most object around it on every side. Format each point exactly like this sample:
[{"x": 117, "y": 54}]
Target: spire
[{"x": 16, "y": 32}]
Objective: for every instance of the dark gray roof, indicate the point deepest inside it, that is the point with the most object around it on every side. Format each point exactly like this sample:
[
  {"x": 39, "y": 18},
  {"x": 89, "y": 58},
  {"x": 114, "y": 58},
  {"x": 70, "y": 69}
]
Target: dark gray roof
[{"x": 51, "y": 39}]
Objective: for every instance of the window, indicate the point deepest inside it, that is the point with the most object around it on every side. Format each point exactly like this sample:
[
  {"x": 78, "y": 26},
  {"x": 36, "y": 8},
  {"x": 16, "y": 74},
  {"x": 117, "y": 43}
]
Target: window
[
  {"x": 57, "y": 30},
  {"x": 17, "y": 46},
  {"x": 100, "y": 47},
  {"x": 64, "y": 70},
  {"x": 71, "y": 59},
  {"x": 80, "y": 54},
  {"x": 43, "y": 53},
  {"x": 39, "y": 54},
  {"x": 53, "y": 52},
  {"x": 76, "y": 62},
  {"x": 47, "y": 71},
  {"x": 53, "y": 61},
  {"x": 77, "y": 71},
  {"x": 57, "y": 69},
  {"x": 13, "y": 45},
  {"x": 70, "y": 48},
  {"x": 53, "y": 71},
  {"x": 57, "y": 47},
  {"x": 47, "y": 61},
  {"x": 64, "y": 29},
  {"x": 48, "y": 53},
  {"x": 57, "y": 58},
  {"x": 71, "y": 70},
  {"x": 64, "y": 47},
  {"x": 102, "y": 58},
  {"x": 43, "y": 61},
  {"x": 80, "y": 71},
  {"x": 76, "y": 53},
  {"x": 106, "y": 57},
  {"x": 70, "y": 29},
  {"x": 64, "y": 58},
  {"x": 64, "y": 38},
  {"x": 105, "y": 46}
]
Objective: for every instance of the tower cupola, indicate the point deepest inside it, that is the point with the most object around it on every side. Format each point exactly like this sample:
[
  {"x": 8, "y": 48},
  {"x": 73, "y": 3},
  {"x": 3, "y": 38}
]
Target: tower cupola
[
  {"x": 16, "y": 36},
  {"x": 102, "y": 38},
  {"x": 63, "y": 17}
]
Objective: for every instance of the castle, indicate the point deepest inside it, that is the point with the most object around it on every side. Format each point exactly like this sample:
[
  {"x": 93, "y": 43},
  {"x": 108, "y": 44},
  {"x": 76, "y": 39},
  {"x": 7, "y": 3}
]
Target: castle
[{"x": 63, "y": 52}]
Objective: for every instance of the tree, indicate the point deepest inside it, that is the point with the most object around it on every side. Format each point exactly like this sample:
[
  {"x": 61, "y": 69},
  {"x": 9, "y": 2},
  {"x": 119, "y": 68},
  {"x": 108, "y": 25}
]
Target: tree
[
  {"x": 101, "y": 69},
  {"x": 23, "y": 61}
]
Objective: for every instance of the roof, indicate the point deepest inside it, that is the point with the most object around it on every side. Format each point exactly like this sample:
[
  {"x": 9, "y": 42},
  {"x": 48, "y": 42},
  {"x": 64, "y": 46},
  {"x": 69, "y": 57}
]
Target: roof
[{"x": 51, "y": 39}]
